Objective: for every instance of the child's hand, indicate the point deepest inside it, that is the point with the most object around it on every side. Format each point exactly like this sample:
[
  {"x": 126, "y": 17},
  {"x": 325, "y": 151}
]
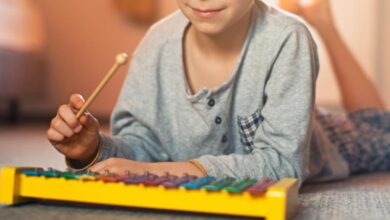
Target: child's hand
[
  {"x": 76, "y": 139},
  {"x": 121, "y": 166}
]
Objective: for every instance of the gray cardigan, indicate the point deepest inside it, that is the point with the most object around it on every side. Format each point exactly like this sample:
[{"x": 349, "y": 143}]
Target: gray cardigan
[{"x": 259, "y": 123}]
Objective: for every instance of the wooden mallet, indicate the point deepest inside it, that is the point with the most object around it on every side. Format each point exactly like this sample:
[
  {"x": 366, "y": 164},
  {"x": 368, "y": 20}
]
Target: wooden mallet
[{"x": 119, "y": 61}]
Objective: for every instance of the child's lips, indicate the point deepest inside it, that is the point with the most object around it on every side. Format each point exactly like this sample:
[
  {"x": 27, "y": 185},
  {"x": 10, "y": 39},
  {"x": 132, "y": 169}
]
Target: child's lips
[{"x": 206, "y": 13}]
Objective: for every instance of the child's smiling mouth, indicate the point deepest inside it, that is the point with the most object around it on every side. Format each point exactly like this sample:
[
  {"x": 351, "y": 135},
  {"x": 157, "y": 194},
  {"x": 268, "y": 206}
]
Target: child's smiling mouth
[{"x": 206, "y": 13}]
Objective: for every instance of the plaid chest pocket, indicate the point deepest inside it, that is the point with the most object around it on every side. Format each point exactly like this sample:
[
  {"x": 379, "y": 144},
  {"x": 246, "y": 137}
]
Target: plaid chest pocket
[{"x": 247, "y": 129}]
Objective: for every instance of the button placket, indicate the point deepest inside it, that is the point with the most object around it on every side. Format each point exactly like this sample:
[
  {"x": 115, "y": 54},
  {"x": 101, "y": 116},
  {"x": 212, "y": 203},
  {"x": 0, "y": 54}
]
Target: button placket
[{"x": 218, "y": 120}]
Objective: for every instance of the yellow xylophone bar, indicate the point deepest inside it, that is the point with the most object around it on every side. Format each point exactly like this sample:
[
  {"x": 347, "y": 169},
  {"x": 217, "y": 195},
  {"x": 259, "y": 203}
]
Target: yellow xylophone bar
[{"x": 279, "y": 202}]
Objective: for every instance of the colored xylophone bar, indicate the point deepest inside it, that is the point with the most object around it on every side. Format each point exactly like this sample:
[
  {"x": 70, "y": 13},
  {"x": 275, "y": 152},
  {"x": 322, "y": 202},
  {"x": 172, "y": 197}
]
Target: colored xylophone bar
[{"x": 248, "y": 197}]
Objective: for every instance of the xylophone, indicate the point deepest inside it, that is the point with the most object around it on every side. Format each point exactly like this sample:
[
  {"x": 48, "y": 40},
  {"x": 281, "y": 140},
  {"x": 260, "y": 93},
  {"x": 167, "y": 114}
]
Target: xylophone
[{"x": 247, "y": 197}]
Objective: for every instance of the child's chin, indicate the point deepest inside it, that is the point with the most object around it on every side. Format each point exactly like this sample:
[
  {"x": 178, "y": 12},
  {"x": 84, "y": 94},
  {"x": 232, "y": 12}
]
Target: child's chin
[{"x": 208, "y": 29}]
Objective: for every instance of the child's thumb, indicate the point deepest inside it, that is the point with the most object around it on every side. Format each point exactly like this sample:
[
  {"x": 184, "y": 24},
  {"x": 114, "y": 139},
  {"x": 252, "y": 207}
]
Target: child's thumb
[{"x": 76, "y": 101}]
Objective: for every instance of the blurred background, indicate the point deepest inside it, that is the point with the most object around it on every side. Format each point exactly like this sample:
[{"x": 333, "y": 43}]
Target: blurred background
[{"x": 52, "y": 49}]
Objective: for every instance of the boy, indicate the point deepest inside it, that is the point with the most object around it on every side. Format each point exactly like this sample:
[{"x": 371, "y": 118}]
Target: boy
[{"x": 223, "y": 87}]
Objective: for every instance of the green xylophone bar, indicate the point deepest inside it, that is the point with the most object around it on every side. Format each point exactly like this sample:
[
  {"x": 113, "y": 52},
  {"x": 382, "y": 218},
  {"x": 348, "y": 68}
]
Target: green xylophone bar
[
  {"x": 218, "y": 185},
  {"x": 240, "y": 186}
]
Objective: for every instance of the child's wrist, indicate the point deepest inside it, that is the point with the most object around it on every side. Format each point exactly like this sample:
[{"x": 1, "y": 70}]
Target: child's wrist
[
  {"x": 79, "y": 165},
  {"x": 198, "y": 168},
  {"x": 89, "y": 158}
]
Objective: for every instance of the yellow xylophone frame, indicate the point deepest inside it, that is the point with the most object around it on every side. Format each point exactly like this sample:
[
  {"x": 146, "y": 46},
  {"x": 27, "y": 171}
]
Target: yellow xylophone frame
[{"x": 279, "y": 202}]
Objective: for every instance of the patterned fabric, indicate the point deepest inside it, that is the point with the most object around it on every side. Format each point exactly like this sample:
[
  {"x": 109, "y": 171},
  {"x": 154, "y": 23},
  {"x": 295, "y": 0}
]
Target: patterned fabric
[
  {"x": 363, "y": 138},
  {"x": 248, "y": 127}
]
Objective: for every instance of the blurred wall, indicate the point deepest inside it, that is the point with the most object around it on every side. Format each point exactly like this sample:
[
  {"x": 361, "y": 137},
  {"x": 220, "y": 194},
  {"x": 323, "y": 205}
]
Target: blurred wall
[
  {"x": 84, "y": 36},
  {"x": 83, "y": 39}
]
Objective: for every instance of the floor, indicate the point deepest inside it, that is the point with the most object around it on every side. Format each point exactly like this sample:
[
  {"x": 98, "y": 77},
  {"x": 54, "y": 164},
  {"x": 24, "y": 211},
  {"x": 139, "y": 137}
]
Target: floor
[
  {"x": 360, "y": 197},
  {"x": 27, "y": 145}
]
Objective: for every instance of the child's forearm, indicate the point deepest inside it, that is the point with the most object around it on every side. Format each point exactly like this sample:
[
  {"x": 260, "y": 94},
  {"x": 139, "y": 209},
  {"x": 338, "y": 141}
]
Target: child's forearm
[
  {"x": 176, "y": 168},
  {"x": 356, "y": 89}
]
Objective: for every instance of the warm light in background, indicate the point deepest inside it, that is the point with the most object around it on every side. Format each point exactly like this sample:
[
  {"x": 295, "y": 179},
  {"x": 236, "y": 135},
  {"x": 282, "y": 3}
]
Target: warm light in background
[
  {"x": 21, "y": 26},
  {"x": 138, "y": 11}
]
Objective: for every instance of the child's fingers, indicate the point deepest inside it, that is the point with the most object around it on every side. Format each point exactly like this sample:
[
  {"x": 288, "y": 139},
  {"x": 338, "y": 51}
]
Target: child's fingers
[
  {"x": 84, "y": 119},
  {"x": 89, "y": 122},
  {"x": 54, "y": 135},
  {"x": 66, "y": 113},
  {"x": 61, "y": 127},
  {"x": 76, "y": 101}
]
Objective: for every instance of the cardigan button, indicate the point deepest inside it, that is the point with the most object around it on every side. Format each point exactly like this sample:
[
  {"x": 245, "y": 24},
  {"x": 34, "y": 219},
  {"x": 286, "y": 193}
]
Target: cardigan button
[
  {"x": 211, "y": 102},
  {"x": 218, "y": 120}
]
